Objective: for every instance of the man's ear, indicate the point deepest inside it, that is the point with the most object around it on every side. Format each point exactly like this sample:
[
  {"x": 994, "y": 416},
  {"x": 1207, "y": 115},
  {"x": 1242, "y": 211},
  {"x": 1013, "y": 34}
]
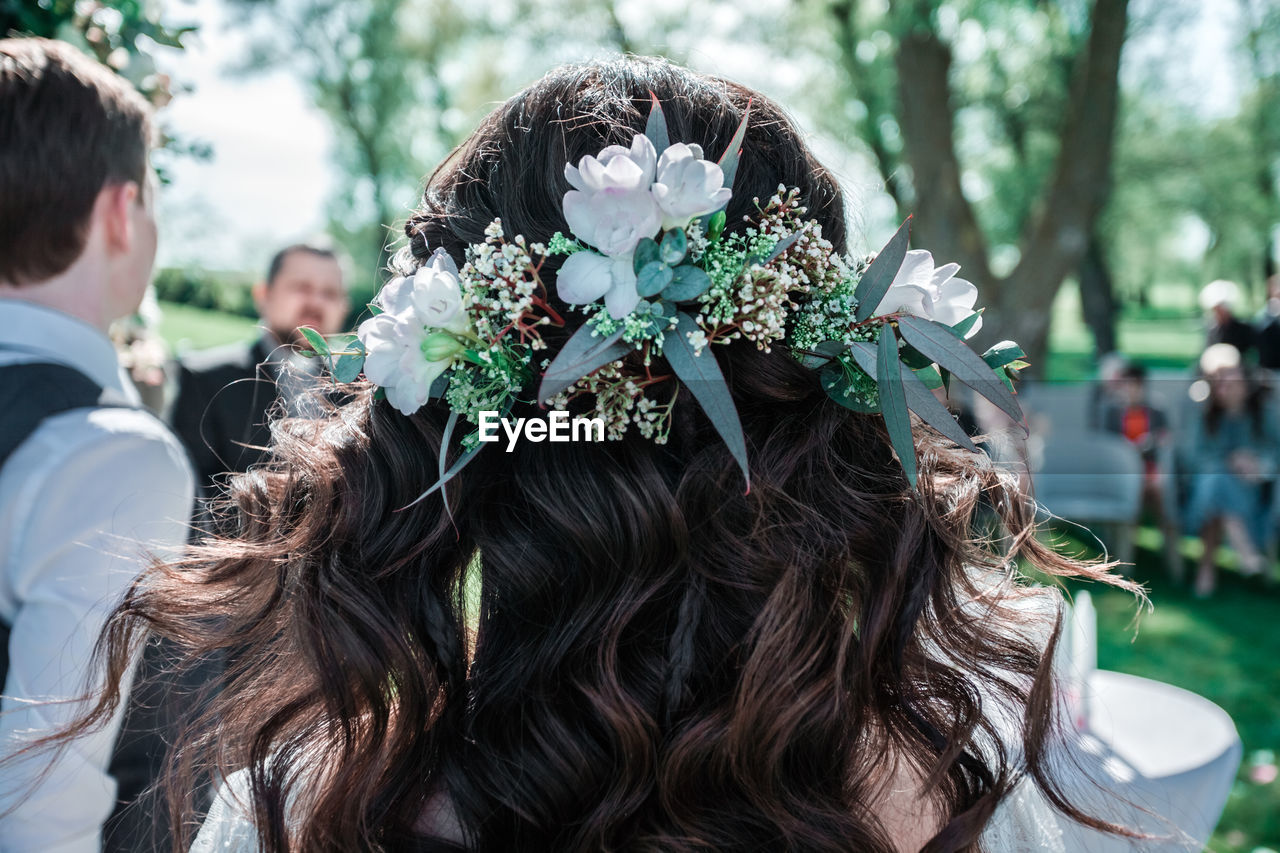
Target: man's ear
[
  {"x": 260, "y": 296},
  {"x": 115, "y": 207}
]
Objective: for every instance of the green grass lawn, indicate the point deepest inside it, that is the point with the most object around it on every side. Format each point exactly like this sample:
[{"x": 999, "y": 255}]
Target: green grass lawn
[
  {"x": 1227, "y": 649},
  {"x": 186, "y": 328},
  {"x": 1159, "y": 339}
]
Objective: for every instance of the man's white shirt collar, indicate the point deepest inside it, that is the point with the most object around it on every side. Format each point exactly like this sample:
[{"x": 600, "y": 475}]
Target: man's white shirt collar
[{"x": 44, "y": 334}]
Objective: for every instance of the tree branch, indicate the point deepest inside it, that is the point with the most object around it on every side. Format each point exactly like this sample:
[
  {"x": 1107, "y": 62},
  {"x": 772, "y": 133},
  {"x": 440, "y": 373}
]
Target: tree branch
[
  {"x": 1058, "y": 233},
  {"x": 945, "y": 221}
]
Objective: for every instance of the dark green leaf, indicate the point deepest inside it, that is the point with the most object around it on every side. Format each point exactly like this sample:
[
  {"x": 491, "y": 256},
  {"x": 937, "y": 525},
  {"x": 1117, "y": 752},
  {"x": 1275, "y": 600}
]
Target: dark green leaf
[
  {"x": 582, "y": 355},
  {"x": 920, "y": 399},
  {"x": 347, "y": 367},
  {"x": 912, "y": 357},
  {"x": 962, "y": 328},
  {"x": 646, "y": 253},
  {"x": 656, "y": 127},
  {"x": 875, "y": 282},
  {"x": 1003, "y": 353},
  {"x": 823, "y": 353},
  {"x": 783, "y": 245},
  {"x": 929, "y": 376},
  {"x": 729, "y": 159},
  {"x": 438, "y": 387},
  {"x": 687, "y": 282},
  {"x": 374, "y": 310},
  {"x": 653, "y": 279},
  {"x": 343, "y": 343},
  {"x": 835, "y": 381},
  {"x": 701, "y": 375},
  {"x": 317, "y": 341},
  {"x": 938, "y": 343},
  {"x": 674, "y": 246},
  {"x": 893, "y": 402}
]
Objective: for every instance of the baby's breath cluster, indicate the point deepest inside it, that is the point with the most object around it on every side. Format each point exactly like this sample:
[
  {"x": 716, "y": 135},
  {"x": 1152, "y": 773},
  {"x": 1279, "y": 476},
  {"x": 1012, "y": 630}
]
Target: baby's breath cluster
[
  {"x": 619, "y": 399},
  {"x": 828, "y": 312},
  {"x": 502, "y": 290},
  {"x": 754, "y": 299}
]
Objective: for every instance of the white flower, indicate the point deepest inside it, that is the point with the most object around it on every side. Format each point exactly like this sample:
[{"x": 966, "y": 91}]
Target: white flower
[
  {"x": 935, "y": 294},
  {"x": 611, "y": 206},
  {"x": 436, "y": 294},
  {"x": 586, "y": 276},
  {"x": 687, "y": 186},
  {"x": 397, "y": 342},
  {"x": 394, "y": 360}
]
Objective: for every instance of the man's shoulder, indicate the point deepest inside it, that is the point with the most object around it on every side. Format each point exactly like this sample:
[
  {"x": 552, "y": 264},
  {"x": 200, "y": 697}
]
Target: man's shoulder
[
  {"x": 129, "y": 448},
  {"x": 237, "y": 359},
  {"x": 111, "y": 430}
]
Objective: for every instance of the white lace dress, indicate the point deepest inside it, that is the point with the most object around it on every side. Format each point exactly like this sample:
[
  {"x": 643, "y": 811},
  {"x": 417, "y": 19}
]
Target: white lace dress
[{"x": 1024, "y": 823}]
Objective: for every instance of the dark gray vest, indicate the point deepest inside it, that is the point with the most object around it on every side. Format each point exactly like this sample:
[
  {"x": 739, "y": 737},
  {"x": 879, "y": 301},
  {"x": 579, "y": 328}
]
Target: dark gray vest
[{"x": 30, "y": 393}]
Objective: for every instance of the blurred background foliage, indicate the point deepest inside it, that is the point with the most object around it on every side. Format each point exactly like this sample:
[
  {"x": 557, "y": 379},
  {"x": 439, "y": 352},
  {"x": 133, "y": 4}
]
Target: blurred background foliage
[
  {"x": 1011, "y": 129},
  {"x": 1066, "y": 152}
]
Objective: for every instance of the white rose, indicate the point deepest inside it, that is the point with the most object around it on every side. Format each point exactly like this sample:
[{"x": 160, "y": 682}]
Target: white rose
[
  {"x": 394, "y": 360},
  {"x": 436, "y": 294},
  {"x": 611, "y": 206},
  {"x": 935, "y": 294},
  {"x": 586, "y": 276},
  {"x": 687, "y": 186}
]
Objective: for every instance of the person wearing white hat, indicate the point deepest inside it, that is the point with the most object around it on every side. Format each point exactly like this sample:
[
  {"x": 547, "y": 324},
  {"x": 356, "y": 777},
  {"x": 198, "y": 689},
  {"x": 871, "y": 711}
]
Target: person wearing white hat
[{"x": 1220, "y": 299}]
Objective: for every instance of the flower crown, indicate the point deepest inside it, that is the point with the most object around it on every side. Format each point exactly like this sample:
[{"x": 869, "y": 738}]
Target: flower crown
[{"x": 650, "y": 263}]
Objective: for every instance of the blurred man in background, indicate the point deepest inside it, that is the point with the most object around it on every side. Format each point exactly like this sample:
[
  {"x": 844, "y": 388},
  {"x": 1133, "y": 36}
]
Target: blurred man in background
[
  {"x": 90, "y": 483},
  {"x": 225, "y": 395}
]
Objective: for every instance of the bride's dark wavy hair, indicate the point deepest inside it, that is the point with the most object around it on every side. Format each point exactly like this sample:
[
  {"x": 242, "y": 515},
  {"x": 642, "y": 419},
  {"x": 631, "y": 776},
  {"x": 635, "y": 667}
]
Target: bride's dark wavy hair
[{"x": 659, "y": 660}]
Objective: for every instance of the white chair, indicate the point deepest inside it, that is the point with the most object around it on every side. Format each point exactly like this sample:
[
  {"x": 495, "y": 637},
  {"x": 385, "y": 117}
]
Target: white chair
[{"x": 1094, "y": 479}]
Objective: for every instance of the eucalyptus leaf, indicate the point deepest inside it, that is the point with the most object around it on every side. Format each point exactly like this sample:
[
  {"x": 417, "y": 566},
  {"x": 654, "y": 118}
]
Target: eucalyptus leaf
[
  {"x": 347, "y": 367},
  {"x": 962, "y": 328},
  {"x": 656, "y": 127},
  {"x": 448, "y": 474},
  {"x": 674, "y": 246},
  {"x": 317, "y": 341},
  {"x": 875, "y": 282},
  {"x": 729, "y": 159},
  {"x": 823, "y": 353},
  {"x": 1003, "y": 353},
  {"x": 344, "y": 342},
  {"x": 582, "y": 355},
  {"x": 835, "y": 381},
  {"x": 701, "y": 375},
  {"x": 920, "y": 399},
  {"x": 653, "y": 279},
  {"x": 912, "y": 357},
  {"x": 783, "y": 245},
  {"x": 687, "y": 283},
  {"x": 937, "y": 342},
  {"x": 646, "y": 253},
  {"x": 893, "y": 402},
  {"x": 929, "y": 375},
  {"x": 439, "y": 386}
]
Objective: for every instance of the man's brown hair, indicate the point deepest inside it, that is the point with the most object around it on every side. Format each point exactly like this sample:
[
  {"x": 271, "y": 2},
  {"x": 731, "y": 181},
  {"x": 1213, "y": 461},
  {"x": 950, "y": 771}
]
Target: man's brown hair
[{"x": 68, "y": 127}]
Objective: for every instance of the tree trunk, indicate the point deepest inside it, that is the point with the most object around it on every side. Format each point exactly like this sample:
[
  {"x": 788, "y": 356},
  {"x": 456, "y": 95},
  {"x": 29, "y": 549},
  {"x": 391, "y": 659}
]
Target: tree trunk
[
  {"x": 1056, "y": 236},
  {"x": 1097, "y": 297}
]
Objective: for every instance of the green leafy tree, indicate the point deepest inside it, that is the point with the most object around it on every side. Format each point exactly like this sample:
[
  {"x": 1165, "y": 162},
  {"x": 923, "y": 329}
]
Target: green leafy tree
[
  {"x": 1003, "y": 156},
  {"x": 124, "y": 35}
]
